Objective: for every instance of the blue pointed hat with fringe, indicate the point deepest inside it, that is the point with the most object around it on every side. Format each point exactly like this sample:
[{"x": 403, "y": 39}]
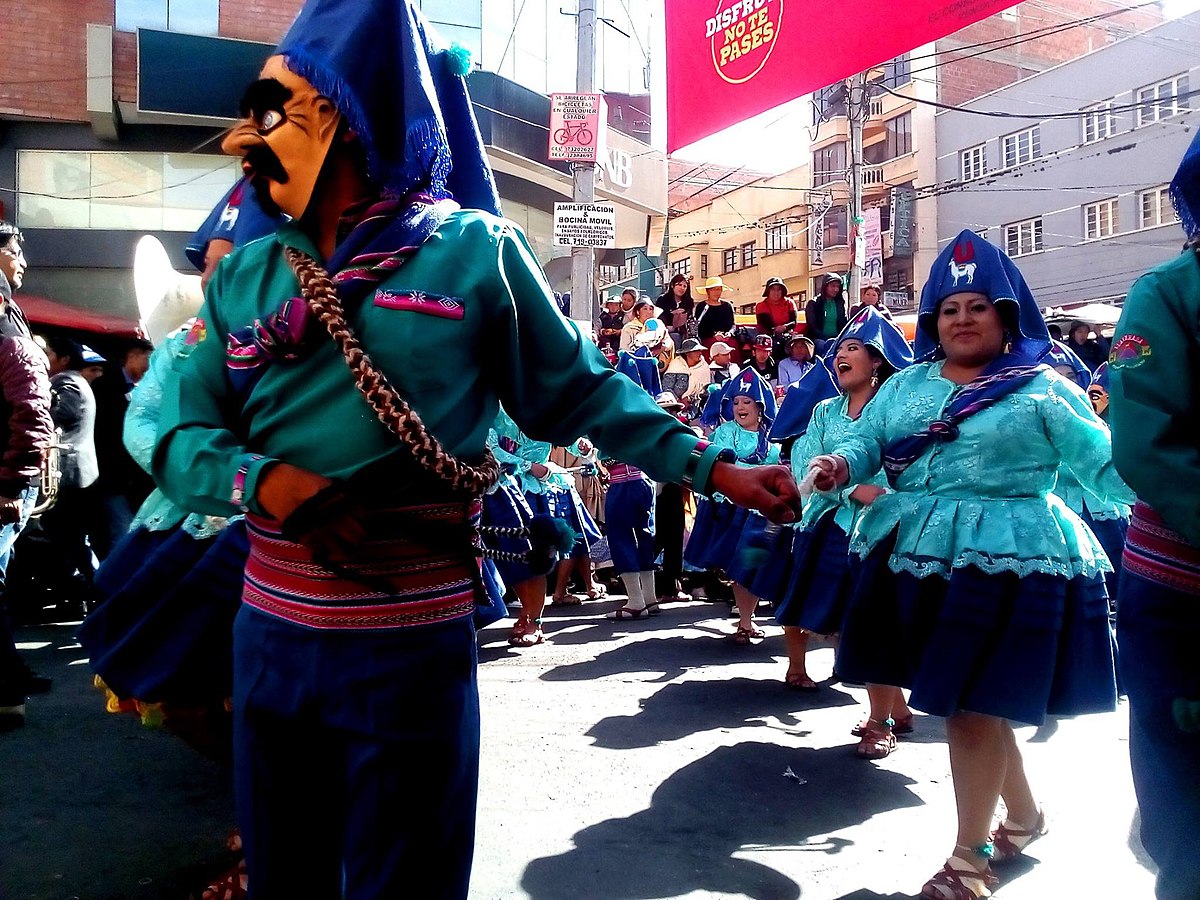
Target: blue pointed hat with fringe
[
  {"x": 796, "y": 409},
  {"x": 718, "y": 407},
  {"x": 1062, "y": 355},
  {"x": 971, "y": 263},
  {"x": 1185, "y": 188},
  {"x": 642, "y": 368},
  {"x": 1100, "y": 376},
  {"x": 875, "y": 330},
  {"x": 402, "y": 92}
]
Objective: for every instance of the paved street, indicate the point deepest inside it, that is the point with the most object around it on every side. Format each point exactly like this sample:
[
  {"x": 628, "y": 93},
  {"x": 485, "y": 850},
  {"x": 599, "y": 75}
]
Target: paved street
[{"x": 621, "y": 760}]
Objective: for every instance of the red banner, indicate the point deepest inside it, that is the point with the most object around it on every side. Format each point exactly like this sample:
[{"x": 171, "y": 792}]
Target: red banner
[{"x": 728, "y": 60}]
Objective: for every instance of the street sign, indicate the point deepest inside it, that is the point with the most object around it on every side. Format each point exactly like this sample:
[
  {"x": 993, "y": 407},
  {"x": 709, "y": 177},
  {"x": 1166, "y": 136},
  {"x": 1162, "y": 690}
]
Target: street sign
[
  {"x": 872, "y": 275},
  {"x": 585, "y": 224},
  {"x": 903, "y": 222},
  {"x": 895, "y": 299},
  {"x": 575, "y": 127}
]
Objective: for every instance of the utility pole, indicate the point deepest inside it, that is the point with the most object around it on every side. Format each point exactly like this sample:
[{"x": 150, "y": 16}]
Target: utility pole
[
  {"x": 583, "y": 259},
  {"x": 857, "y": 106}
]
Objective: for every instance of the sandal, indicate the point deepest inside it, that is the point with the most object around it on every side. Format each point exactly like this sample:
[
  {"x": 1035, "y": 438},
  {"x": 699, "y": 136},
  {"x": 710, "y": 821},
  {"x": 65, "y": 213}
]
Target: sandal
[
  {"x": 597, "y": 592},
  {"x": 876, "y": 743},
  {"x": 566, "y": 600},
  {"x": 743, "y": 636},
  {"x": 959, "y": 880},
  {"x": 629, "y": 612},
  {"x": 230, "y": 886},
  {"x": 526, "y": 633},
  {"x": 902, "y": 726},
  {"x": 1010, "y": 842},
  {"x": 652, "y": 608},
  {"x": 800, "y": 682}
]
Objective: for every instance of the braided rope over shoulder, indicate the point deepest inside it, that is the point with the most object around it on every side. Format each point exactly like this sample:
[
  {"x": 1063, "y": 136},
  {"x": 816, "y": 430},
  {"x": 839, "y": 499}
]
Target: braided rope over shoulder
[{"x": 391, "y": 409}]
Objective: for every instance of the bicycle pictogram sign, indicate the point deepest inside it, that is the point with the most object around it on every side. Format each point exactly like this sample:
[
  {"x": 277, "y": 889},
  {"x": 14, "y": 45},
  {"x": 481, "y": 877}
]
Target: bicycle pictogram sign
[{"x": 576, "y": 121}]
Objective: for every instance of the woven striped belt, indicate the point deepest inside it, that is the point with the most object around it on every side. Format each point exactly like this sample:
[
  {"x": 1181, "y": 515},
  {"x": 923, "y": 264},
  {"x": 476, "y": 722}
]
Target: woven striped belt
[
  {"x": 619, "y": 472},
  {"x": 1155, "y": 552},
  {"x": 392, "y": 582}
]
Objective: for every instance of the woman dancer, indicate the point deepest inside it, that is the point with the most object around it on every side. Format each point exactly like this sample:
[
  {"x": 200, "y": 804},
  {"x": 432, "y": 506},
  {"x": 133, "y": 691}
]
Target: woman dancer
[
  {"x": 979, "y": 589},
  {"x": 864, "y": 355},
  {"x": 746, "y": 406},
  {"x": 1108, "y": 521}
]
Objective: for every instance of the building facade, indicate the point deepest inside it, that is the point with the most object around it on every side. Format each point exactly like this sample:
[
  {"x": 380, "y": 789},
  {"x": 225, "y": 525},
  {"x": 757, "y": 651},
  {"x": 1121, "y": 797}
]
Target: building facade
[
  {"x": 1080, "y": 200},
  {"x": 111, "y": 113}
]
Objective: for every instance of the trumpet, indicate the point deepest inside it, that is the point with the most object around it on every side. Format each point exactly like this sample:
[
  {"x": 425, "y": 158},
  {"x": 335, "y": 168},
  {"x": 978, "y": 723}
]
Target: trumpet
[{"x": 51, "y": 475}]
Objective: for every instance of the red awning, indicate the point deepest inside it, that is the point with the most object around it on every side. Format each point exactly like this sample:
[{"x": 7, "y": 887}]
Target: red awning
[{"x": 43, "y": 311}]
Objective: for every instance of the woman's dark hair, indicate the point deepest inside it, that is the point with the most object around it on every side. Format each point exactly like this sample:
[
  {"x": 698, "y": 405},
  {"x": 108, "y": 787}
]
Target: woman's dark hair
[
  {"x": 66, "y": 347},
  {"x": 885, "y": 370},
  {"x": 687, "y": 301}
]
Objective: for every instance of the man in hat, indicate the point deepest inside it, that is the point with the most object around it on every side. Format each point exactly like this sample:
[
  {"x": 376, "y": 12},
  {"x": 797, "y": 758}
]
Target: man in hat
[
  {"x": 761, "y": 359},
  {"x": 308, "y": 403},
  {"x": 611, "y": 322},
  {"x": 776, "y": 313},
  {"x": 825, "y": 315},
  {"x": 715, "y": 315},
  {"x": 798, "y": 361}
]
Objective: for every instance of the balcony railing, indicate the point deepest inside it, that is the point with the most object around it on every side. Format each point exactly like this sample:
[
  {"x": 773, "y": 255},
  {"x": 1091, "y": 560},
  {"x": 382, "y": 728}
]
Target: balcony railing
[{"x": 872, "y": 176}]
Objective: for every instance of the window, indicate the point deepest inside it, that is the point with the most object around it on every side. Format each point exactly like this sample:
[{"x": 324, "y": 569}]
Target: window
[
  {"x": 1021, "y": 147},
  {"x": 123, "y": 191},
  {"x": 1162, "y": 100},
  {"x": 704, "y": 265},
  {"x": 1099, "y": 123},
  {"x": 188, "y": 16},
  {"x": 681, "y": 267},
  {"x": 829, "y": 164},
  {"x": 729, "y": 260},
  {"x": 973, "y": 162},
  {"x": 898, "y": 141},
  {"x": 1101, "y": 219},
  {"x": 829, "y": 103},
  {"x": 630, "y": 269},
  {"x": 837, "y": 232},
  {"x": 779, "y": 238},
  {"x": 749, "y": 255},
  {"x": 1022, "y": 238},
  {"x": 897, "y": 71},
  {"x": 1155, "y": 208},
  {"x": 610, "y": 274}
]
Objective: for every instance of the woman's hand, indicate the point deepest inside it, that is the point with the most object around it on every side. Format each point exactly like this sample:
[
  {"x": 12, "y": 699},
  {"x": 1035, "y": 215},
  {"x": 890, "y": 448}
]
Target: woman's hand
[
  {"x": 866, "y": 494},
  {"x": 830, "y": 472},
  {"x": 538, "y": 471},
  {"x": 584, "y": 446}
]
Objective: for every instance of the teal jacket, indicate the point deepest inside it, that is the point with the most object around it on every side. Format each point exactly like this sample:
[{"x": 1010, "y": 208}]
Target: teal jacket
[
  {"x": 493, "y": 334},
  {"x": 1154, "y": 393}
]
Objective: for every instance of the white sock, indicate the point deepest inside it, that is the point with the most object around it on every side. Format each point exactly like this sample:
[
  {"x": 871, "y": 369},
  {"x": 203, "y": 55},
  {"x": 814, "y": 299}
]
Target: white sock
[
  {"x": 633, "y": 588},
  {"x": 648, "y": 590}
]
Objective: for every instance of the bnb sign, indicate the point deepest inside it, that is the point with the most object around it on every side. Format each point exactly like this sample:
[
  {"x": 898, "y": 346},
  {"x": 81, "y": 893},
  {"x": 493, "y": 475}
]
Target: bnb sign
[{"x": 742, "y": 34}]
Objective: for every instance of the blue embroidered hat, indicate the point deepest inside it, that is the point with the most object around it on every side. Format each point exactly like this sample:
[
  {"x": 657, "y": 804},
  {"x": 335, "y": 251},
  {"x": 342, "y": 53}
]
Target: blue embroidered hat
[
  {"x": 402, "y": 92},
  {"x": 1062, "y": 355},
  {"x": 718, "y": 407},
  {"x": 970, "y": 263},
  {"x": 237, "y": 218},
  {"x": 642, "y": 368},
  {"x": 1100, "y": 376},
  {"x": 875, "y": 330},
  {"x": 796, "y": 409},
  {"x": 1185, "y": 188}
]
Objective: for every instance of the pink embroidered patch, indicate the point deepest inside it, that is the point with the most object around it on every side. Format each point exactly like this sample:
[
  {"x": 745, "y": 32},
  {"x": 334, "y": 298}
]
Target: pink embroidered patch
[
  {"x": 421, "y": 302},
  {"x": 197, "y": 333}
]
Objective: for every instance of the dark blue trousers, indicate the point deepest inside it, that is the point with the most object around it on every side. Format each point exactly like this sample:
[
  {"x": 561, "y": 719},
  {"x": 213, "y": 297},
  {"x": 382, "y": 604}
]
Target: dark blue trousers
[
  {"x": 1159, "y": 632},
  {"x": 356, "y": 759}
]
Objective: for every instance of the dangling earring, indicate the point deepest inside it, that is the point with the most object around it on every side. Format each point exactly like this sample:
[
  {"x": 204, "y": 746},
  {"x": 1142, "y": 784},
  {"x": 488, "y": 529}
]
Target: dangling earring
[
  {"x": 1007, "y": 343},
  {"x": 875, "y": 378}
]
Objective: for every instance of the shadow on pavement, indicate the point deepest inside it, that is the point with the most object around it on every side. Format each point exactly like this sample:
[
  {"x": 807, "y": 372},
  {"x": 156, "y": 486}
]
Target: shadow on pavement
[
  {"x": 736, "y": 798},
  {"x": 678, "y": 710},
  {"x": 99, "y": 806}
]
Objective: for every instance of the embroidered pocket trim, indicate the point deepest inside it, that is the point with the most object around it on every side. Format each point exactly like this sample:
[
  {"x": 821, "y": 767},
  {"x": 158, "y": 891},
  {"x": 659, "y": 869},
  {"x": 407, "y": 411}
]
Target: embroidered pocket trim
[{"x": 422, "y": 302}]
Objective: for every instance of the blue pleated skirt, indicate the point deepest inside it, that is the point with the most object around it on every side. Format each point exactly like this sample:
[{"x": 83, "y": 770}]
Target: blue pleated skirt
[
  {"x": 1001, "y": 645},
  {"x": 568, "y": 506},
  {"x": 1111, "y": 535},
  {"x": 506, "y": 507},
  {"x": 762, "y": 562},
  {"x": 819, "y": 581},
  {"x": 715, "y": 534},
  {"x": 163, "y": 630}
]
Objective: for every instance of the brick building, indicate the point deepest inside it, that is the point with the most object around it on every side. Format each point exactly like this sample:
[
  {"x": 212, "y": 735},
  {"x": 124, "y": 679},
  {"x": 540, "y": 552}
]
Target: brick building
[{"x": 111, "y": 112}]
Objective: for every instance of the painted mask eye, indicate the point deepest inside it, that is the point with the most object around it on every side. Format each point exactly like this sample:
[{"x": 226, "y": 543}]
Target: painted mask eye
[{"x": 270, "y": 120}]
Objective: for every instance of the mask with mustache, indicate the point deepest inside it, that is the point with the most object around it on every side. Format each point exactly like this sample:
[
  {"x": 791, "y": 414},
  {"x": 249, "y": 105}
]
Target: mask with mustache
[{"x": 283, "y": 137}]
